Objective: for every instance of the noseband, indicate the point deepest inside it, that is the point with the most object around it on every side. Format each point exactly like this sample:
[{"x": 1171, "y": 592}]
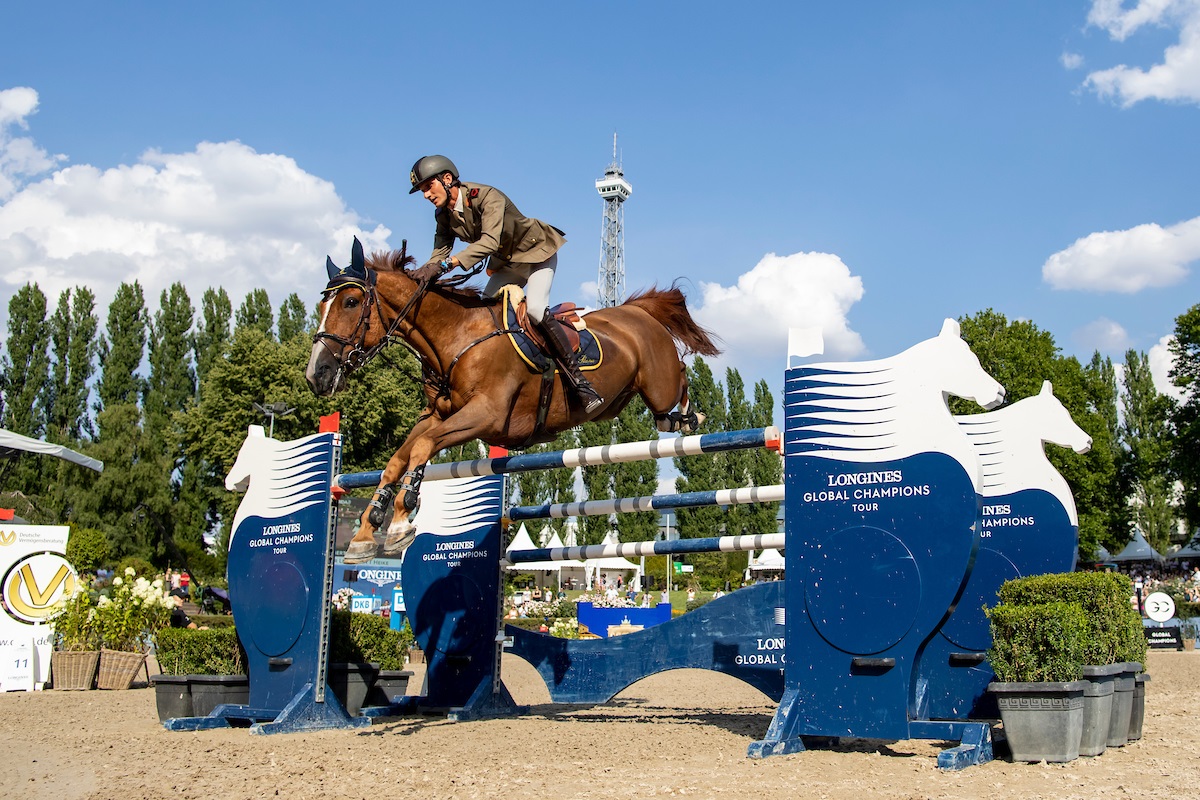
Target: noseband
[{"x": 353, "y": 354}]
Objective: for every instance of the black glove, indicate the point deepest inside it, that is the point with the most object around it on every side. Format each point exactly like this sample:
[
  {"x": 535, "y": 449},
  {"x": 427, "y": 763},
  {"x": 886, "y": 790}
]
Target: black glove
[{"x": 431, "y": 271}]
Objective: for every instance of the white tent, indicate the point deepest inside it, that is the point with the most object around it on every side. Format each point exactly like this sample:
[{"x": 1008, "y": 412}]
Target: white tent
[
  {"x": 523, "y": 541},
  {"x": 1138, "y": 550},
  {"x": 769, "y": 560},
  {"x": 11, "y": 443},
  {"x": 601, "y": 569},
  {"x": 569, "y": 569}
]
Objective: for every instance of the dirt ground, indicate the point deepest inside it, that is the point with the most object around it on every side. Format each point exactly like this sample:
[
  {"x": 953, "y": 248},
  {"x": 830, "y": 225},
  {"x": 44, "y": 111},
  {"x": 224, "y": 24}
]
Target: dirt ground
[{"x": 681, "y": 733}]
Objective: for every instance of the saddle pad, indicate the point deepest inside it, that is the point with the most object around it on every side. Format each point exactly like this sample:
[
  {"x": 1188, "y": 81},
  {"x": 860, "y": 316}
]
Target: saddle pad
[{"x": 589, "y": 352}]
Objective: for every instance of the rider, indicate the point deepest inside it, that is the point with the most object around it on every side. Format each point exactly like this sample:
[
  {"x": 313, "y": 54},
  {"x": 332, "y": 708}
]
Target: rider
[{"x": 523, "y": 251}]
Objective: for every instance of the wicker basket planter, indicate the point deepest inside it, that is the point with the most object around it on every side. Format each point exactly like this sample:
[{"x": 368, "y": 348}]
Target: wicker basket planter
[
  {"x": 118, "y": 668},
  {"x": 73, "y": 669}
]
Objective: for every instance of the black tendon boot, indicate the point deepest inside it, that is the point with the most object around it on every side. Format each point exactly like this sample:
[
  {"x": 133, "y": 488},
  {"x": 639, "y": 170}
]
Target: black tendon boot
[{"x": 560, "y": 348}]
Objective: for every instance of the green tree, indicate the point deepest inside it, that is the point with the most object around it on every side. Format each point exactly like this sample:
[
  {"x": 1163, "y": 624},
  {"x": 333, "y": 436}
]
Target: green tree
[
  {"x": 293, "y": 318},
  {"x": 597, "y": 480},
  {"x": 1185, "y": 417},
  {"x": 172, "y": 382},
  {"x": 1145, "y": 434},
  {"x": 1021, "y": 357},
  {"x": 636, "y": 478},
  {"x": 26, "y": 363},
  {"x": 73, "y": 329},
  {"x": 255, "y": 312},
  {"x": 212, "y": 332},
  {"x": 122, "y": 348},
  {"x": 703, "y": 472}
]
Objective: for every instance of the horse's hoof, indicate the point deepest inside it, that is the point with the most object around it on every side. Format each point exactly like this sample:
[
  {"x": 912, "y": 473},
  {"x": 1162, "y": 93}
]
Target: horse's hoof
[
  {"x": 399, "y": 537},
  {"x": 360, "y": 552}
]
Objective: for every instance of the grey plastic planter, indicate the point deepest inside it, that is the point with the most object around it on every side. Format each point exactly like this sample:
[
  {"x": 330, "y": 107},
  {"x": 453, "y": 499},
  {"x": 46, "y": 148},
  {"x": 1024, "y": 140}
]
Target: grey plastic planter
[
  {"x": 1122, "y": 710},
  {"x": 172, "y": 696},
  {"x": 210, "y": 691},
  {"x": 388, "y": 684},
  {"x": 1097, "y": 707},
  {"x": 1139, "y": 706},
  {"x": 350, "y": 684},
  {"x": 1042, "y": 721}
]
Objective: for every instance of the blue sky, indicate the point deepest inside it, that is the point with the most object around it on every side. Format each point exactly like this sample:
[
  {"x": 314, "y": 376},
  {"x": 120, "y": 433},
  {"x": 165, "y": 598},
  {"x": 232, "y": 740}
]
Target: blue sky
[{"x": 866, "y": 168}]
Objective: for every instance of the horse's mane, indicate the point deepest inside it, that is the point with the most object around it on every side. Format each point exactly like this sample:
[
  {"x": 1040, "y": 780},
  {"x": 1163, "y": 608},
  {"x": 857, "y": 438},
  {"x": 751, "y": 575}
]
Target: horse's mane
[{"x": 398, "y": 261}]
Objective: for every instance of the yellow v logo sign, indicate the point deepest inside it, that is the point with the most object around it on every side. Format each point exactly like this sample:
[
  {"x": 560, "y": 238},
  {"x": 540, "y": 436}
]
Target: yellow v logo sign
[
  {"x": 30, "y": 600},
  {"x": 36, "y": 595}
]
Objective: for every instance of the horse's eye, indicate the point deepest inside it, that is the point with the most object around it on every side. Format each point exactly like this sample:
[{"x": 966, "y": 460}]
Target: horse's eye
[{"x": 351, "y": 302}]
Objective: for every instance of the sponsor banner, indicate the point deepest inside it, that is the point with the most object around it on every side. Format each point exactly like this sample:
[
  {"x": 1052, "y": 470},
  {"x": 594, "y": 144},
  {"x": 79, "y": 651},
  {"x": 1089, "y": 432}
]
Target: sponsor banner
[{"x": 36, "y": 575}]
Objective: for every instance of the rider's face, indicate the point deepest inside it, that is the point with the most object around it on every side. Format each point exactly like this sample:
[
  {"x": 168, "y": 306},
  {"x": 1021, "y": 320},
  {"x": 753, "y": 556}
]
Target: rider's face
[{"x": 435, "y": 192}]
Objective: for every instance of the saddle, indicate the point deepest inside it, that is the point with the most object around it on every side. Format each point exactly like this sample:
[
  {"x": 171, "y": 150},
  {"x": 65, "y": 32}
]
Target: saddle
[{"x": 528, "y": 341}]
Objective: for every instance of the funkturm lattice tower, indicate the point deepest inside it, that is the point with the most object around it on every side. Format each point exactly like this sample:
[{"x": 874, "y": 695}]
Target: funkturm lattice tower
[{"x": 615, "y": 190}]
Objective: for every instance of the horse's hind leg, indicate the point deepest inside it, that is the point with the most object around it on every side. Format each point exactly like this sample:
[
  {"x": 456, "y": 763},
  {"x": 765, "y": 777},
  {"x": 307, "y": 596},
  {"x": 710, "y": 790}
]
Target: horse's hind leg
[{"x": 667, "y": 420}]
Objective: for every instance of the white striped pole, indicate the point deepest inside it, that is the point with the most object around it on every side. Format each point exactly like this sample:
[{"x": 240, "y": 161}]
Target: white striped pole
[
  {"x": 593, "y": 508},
  {"x": 722, "y": 544}
]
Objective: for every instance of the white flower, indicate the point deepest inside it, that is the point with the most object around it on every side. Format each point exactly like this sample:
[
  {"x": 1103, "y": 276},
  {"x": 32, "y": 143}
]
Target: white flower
[
  {"x": 117, "y": 581},
  {"x": 103, "y": 601},
  {"x": 158, "y": 584},
  {"x": 130, "y": 571}
]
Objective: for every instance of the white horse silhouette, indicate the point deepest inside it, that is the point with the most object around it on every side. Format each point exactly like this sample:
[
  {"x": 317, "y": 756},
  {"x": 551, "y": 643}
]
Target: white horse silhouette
[
  {"x": 892, "y": 408},
  {"x": 1009, "y": 445},
  {"x": 279, "y": 478}
]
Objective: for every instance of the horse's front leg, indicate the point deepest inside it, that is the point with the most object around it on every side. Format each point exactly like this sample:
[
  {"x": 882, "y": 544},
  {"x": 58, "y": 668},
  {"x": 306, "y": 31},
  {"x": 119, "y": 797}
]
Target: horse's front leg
[
  {"x": 463, "y": 426},
  {"x": 363, "y": 547}
]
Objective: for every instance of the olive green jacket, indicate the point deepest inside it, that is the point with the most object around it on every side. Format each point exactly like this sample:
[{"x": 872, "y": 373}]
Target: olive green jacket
[{"x": 492, "y": 226}]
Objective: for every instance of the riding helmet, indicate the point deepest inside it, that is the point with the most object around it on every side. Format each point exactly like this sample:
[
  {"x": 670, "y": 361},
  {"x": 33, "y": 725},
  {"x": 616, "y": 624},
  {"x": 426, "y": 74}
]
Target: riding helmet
[{"x": 430, "y": 167}]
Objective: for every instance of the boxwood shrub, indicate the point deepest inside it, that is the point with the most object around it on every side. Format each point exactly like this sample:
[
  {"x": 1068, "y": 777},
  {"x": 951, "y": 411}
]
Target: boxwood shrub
[
  {"x": 190, "y": 651},
  {"x": 358, "y": 638},
  {"x": 1104, "y": 598},
  {"x": 1042, "y": 642}
]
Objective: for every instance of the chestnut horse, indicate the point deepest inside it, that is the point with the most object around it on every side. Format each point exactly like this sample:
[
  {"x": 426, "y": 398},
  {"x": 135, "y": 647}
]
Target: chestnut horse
[{"x": 476, "y": 385}]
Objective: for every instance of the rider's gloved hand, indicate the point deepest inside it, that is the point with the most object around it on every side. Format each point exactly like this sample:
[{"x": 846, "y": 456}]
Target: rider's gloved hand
[{"x": 431, "y": 271}]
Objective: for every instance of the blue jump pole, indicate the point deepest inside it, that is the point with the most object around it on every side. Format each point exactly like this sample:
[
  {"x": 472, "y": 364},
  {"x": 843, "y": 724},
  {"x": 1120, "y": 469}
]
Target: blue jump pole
[{"x": 584, "y": 456}]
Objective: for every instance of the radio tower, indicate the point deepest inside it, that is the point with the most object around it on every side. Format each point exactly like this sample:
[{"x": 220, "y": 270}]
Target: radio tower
[{"x": 615, "y": 190}]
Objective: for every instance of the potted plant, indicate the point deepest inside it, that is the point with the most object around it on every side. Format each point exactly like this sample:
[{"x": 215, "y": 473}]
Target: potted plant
[
  {"x": 202, "y": 668},
  {"x": 1037, "y": 657},
  {"x": 76, "y": 642},
  {"x": 363, "y": 650},
  {"x": 129, "y": 615},
  {"x": 1131, "y": 655},
  {"x": 1104, "y": 598}
]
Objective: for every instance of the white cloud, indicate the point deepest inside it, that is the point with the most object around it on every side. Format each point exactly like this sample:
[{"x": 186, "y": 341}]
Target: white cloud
[
  {"x": 220, "y": 215},
  {"x": 1176, "y": 78},
  {"x": 782, "y": 292},
  {"x": 1126, "y": 261},
  {"x": 1071, "y": 60},
  {"x": 1103, "y": 335},
  {"x": 20, "y": 157},
  {"x": 1161, "y": 363}
]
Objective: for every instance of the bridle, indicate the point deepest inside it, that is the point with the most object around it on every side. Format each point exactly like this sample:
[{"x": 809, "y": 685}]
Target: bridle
[{"x": 354, "y": 356}]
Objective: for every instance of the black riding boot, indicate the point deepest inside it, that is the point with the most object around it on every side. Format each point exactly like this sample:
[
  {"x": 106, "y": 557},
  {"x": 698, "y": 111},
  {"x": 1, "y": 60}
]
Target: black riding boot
[{"x": 560, "y": 348}]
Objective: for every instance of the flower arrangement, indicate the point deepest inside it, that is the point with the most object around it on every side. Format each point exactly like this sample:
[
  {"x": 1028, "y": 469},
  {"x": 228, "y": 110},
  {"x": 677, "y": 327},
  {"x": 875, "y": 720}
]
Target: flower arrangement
[
  {"x": 342, "y": 598},
  {"x": 76, "y": 627},
  {"x": 132, "y": 612},
  {"x": 565, "y": 628},
  {"x": 601, "y": 601}
]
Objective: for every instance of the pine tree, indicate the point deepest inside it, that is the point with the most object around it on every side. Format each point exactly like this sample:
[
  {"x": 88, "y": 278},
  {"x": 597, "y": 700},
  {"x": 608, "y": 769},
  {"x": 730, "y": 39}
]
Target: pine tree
[{"x": 255, "y": 312}]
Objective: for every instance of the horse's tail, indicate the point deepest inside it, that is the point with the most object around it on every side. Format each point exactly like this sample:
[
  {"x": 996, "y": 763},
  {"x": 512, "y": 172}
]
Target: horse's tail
[{"x": 669, "y": 308}]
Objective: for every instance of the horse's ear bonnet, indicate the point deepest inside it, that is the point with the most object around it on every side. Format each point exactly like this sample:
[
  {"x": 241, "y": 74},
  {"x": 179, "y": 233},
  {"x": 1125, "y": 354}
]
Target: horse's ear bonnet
[{"x": 355, "y": 274}]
